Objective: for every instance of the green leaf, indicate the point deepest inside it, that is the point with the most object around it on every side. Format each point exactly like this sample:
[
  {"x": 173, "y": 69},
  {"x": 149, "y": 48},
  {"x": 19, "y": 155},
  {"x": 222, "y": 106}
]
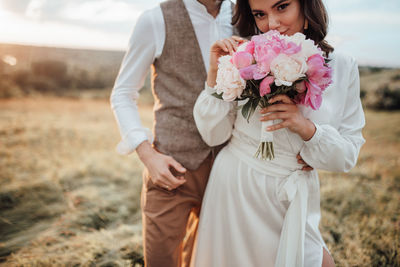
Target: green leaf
[
  {"x": 246, "y": 109},
  {"x": 253, "y": 106},
  {"x": 219, "y": 96}
]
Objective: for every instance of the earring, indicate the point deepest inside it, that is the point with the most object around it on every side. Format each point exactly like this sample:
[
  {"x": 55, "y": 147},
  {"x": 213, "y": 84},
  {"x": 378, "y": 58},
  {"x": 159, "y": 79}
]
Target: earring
[{"x": 305, "y": 24}]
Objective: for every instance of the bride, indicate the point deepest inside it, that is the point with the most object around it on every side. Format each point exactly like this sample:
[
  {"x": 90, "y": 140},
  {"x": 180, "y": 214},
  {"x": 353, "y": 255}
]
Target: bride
[{"x": 267, "y": 213}]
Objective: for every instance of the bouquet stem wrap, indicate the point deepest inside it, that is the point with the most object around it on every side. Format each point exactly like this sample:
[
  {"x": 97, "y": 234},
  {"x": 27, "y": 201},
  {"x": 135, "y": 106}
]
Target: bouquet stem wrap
[{"x": 266, "y": 148}]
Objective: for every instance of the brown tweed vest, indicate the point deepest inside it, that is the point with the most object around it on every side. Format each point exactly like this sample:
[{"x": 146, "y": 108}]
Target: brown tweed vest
[{"x": 178, "y": 77}]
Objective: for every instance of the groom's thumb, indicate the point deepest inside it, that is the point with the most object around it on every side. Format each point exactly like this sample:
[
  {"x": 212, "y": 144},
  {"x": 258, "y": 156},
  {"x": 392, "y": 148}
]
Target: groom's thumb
[{"x": 178, "y": 167}]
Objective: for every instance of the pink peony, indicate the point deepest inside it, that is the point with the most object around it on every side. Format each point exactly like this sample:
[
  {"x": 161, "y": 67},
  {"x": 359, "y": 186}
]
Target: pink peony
[
  {"x": 242, "y": 59},
  {"x": 315, "y": 66},
  {"x": 288, "y": 61},
  {"x": 319, "y": 77},
  {"x": 247, "y": 73},
  {"x": 250, "y": 47},
  {"x": 263, "y": 67},
  {"x": 290, "y": 48},
  {"x": 300, "y": 87},
  {"x": 318, "y": 72},
  {"x": 313, "y": 97},
  {"x": 263, "y": 55},
  {"x": 308, "y": 47},
  {"x": 265, "y": 85}
]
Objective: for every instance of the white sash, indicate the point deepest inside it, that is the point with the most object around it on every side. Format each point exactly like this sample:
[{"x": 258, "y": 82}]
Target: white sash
[{"x": 294, "y": 189}]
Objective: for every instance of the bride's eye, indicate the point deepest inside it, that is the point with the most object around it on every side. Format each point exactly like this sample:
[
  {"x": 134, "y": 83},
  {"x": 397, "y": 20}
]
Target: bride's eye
[
  {"x": 258, "y": 15},
  {"x": 282, "y": 7}
]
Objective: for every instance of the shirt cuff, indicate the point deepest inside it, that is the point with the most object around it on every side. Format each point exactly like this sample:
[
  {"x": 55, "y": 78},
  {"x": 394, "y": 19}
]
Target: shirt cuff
[
  {"x": 132, "y": 140},
  {"x": 316, "y": 137}
]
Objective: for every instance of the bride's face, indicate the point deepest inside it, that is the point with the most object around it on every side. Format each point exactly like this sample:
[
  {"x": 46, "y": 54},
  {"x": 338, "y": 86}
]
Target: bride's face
[{"x": 284, "y": 16}]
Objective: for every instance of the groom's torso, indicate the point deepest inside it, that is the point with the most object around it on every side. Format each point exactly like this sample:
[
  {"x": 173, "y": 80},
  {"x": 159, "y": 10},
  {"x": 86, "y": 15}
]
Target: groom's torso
[{"x": 178, "y": 78}]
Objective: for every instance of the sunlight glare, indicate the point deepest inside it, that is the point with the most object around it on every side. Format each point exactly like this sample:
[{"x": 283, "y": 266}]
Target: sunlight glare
[{"x": 10, "y": 60}]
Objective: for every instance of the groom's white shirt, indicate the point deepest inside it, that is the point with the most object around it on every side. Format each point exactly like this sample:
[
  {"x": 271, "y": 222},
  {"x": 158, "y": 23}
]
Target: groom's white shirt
[{"x": 145, "y": 45}]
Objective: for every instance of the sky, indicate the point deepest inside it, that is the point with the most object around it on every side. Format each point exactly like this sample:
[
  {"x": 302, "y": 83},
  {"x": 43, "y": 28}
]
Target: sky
[{"x": 367, "y": 29}]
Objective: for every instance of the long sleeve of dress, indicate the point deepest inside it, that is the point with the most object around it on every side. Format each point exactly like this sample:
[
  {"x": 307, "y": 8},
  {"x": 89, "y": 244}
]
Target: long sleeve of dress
[
  {"x": 337, "y": 148},
  {"x": 214, "y": 117}
]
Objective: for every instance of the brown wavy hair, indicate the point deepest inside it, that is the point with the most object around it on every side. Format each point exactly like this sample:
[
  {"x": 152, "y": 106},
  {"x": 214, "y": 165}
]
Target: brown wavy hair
[{"x": 314, "y": 11}]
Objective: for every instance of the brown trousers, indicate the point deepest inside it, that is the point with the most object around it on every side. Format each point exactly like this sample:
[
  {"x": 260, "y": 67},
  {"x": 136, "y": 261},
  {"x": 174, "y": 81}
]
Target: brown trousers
[{"x": 170, "y": 218}]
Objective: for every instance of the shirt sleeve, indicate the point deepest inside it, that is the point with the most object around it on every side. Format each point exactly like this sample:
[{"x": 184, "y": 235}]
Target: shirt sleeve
[
  {"x": 214, "y": 117},
  {"x": 135, "y": 66},
  {"x": 337, "y": 149}
]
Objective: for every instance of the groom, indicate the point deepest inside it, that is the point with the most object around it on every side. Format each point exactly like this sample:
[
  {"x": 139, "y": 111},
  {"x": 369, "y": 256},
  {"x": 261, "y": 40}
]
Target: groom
[{"x": 174, "y": 38}]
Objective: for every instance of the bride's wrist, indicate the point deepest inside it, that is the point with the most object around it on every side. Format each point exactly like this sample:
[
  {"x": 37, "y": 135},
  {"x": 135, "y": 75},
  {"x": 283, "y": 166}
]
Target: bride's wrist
[
  {"x": 212, "y": 77},
  {"x": 308, "y": 131}
]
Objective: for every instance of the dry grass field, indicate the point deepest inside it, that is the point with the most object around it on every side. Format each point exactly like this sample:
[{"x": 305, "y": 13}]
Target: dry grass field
[{"x": 68, "y": 199}]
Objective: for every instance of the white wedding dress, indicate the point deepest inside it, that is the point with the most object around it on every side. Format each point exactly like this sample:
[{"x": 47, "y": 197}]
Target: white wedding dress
[{"x": 266, "y": 213}]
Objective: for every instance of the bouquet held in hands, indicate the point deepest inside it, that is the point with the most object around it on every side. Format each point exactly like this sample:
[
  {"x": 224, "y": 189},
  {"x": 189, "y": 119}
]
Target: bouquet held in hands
[{"x": 271, "y": 64}]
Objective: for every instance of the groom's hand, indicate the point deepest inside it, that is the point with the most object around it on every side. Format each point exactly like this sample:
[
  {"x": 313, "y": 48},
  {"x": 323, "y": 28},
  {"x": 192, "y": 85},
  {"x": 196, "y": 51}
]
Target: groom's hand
[{"x": 159, "y": 167}]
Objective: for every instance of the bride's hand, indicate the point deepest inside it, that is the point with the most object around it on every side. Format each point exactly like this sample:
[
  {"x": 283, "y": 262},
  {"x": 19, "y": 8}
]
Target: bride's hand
[
  {"x": 291, "y": 117},
  {"x": 305, "y": 167},
  {"x": 221, "y": 48}
]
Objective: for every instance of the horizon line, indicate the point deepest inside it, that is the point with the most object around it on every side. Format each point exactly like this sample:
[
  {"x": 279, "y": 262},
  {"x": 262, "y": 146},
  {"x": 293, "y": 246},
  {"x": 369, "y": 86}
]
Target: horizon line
[
  {"x": 77, "y": 47},
  {"x": 91, "y": 48}
]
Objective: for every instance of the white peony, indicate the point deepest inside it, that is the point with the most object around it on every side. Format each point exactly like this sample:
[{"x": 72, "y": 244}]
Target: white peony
[
  {"x": 242, "y": 47},
  {"x": 308, "y": 47},
  {"x": 288, "y": 69},
  {"x": 229, "y": 81}
]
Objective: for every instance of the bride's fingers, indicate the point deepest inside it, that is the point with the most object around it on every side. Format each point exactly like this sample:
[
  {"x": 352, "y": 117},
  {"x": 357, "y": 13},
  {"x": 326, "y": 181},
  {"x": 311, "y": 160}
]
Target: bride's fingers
[
  {"x": 238, "y": 39},
  {"x": 219, "y": 45},
  {"x": 275, "y": 116},
  {"x": 301, "y": 161},
  {"x": 284, "y": 98},
  {"x": 277, "y": 126},
  {"x": 307, "y": 168},
  {"x": 277, "y": 107},
  {"x": 234, "y": 43},
  {"x": 230, "y": 44}
]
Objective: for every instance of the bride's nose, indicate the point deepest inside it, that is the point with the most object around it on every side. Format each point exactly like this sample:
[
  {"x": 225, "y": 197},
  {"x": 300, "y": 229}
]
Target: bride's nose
[{"x": 273, "y": 22}]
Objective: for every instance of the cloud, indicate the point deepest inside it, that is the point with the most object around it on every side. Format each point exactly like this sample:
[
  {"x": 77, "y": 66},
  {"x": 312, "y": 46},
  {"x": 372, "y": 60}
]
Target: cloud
[
  {"x": 389, "y": 18},
  {"x": 363, "y": 28},
  {"x": 57, "y": 34},
  {"x": 18, "y": 7},
  {"x": 104, "y": 10},
  {"x": 81, "y": 10},
  {"x": 351, "y": 6},
  {"x": 102, "y": 15}
]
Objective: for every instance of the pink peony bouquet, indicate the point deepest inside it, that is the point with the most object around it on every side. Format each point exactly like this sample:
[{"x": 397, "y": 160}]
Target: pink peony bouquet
[{"x": 271, "y": 64}]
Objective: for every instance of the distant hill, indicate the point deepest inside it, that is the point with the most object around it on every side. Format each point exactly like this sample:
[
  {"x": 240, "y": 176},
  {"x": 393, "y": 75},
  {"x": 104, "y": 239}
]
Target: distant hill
[
  {"x": 81, "y": 58},
  {"x": 27, "y": 70},
  {"x": 62, "y": 70}
]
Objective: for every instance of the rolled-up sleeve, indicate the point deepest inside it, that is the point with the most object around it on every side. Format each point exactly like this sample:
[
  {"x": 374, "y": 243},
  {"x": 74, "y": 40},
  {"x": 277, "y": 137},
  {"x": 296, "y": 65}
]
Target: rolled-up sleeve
[{"x": 134, "y": 69}]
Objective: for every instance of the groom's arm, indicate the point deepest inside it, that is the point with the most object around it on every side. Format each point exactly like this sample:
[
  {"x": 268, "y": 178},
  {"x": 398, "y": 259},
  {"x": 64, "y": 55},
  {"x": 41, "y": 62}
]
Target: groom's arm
[
  {"x": 135, "y": 66},
  {"x": 145, "y": 45}
]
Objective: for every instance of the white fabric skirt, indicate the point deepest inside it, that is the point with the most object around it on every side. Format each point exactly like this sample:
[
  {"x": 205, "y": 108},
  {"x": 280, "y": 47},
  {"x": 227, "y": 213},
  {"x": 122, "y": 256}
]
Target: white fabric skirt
[{"x": 242, "y": 216}]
